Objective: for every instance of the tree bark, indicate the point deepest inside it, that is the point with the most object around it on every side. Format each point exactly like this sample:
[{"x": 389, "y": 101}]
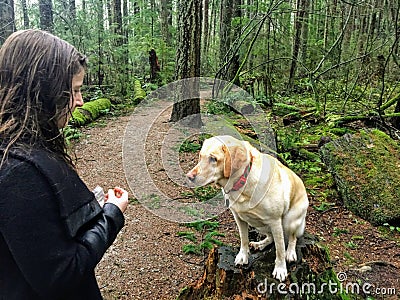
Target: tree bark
[
  {"x": 25, "y": 14},
  {"x": 7, "y": 19},
  {"x": 46, "y": 15},
  {"x": 166, "y": 11},
  {"x": 154, "y": 65},
  {"x": 206, "y": 27},
  {"x": 187, "y": 64},
  {"x": 300, "y": 11},
  {"x": 225, "y": 33}
]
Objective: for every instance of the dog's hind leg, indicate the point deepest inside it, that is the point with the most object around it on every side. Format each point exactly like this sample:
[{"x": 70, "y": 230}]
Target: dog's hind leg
[
  {"x": 260, "y": 245},
  {"x": 294, "y": 224},
  {"x": 291, "y": 249}
]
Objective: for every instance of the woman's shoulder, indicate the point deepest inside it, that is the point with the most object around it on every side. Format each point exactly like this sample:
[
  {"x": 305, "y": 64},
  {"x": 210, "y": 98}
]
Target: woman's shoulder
[
  {"x": 41, "y": 158},
  {"x": 47, "y": 163}
]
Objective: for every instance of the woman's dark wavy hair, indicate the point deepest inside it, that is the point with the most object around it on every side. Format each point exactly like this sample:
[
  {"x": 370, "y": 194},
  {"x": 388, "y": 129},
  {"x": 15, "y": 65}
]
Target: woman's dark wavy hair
[{"x": 36, "y": 70}]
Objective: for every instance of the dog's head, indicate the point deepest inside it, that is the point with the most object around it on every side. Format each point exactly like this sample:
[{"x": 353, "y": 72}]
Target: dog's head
[{"x": 221, "y": 157}]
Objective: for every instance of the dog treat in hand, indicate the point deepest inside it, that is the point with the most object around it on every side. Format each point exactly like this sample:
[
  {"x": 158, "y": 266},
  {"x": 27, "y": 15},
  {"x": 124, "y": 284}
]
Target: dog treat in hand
[
  {"x": 118, "y": 192},
  {"x": 99, "y": 195}
]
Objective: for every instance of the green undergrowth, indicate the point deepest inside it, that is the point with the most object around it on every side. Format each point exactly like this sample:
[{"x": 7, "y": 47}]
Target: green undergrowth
[
  {"x": 203, "y": 193},
  {"x": 203, "y": 235},
  {"x": 298, "y": 149}
]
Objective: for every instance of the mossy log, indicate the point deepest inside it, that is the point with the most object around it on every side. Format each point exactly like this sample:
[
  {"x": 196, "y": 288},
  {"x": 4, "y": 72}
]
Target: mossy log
[
  {"x": 90, "y": 111},
  {"x": 139, "y": 93},
  {"x": 223, "y": 280},
  {"x": 243, "y": 107},
  {"x": 365, "y": 167}
]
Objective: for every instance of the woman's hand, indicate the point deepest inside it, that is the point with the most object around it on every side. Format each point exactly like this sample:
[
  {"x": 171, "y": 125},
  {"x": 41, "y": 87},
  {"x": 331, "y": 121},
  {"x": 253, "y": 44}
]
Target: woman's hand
[{"x": 119, "y": 197}]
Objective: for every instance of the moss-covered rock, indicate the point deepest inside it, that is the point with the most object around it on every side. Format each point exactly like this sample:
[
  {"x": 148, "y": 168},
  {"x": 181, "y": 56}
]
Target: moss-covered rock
[
  {"x": 90, "y": 111},
  {"x": 365, "y": 167}
]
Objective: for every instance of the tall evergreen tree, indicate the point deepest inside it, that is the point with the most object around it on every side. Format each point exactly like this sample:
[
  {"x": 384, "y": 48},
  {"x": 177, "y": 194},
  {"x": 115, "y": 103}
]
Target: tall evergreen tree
[
  {"x": 187, "y": 63},
  {"x": 46, "y": 15}
]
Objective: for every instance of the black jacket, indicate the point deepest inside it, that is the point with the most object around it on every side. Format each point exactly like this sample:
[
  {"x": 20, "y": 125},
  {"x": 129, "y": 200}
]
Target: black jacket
[{"x": 53, "y": 232}]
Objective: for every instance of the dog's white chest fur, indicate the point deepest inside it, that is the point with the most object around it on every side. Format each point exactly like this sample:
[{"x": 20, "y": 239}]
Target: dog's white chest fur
[{"x": 258, "y": 216}]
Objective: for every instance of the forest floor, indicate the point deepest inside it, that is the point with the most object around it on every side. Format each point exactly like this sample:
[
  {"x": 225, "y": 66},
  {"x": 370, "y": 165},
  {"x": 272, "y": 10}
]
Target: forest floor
[{"x": 147, "y": 261}]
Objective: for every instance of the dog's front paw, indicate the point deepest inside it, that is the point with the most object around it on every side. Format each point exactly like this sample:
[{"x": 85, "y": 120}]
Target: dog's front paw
[
  {"x": 280, "y": 273},
  {"x": 291, "y": 256},
  {"x": 242, "y": 258}
]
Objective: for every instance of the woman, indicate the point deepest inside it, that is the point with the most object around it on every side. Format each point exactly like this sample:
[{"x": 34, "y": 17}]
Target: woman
[{"x": 53, "y": 232}]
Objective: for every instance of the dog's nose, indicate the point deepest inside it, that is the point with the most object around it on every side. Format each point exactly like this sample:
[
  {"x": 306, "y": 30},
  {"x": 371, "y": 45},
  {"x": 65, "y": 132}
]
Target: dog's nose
[{"x": 191, "y": 176}]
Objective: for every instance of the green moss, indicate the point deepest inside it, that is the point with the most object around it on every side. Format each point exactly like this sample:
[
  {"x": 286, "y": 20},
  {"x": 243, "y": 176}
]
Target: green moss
[
  {"x": 282, "y": 109},
  {"x": 139, "y": 93},
  {"x": 90, "y": 111},
  {"x": 103, "y": 104},
  {"x": 78, "y": 118},
  {"x": 92, "y": 108},
  {"x": 365, "y": 167}
]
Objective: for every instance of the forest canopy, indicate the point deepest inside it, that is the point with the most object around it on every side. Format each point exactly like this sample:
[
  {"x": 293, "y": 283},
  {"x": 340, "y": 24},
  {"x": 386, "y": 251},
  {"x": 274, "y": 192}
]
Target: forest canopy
[{"x": 345, "y": 52}]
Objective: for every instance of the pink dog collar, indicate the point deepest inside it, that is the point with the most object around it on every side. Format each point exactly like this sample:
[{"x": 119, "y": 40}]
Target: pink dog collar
[{"x": 243, "y": 179}]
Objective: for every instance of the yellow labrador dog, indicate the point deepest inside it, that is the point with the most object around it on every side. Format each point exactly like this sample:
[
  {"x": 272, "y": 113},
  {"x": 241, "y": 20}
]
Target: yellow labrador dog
[{"x": 262, "y": 193}]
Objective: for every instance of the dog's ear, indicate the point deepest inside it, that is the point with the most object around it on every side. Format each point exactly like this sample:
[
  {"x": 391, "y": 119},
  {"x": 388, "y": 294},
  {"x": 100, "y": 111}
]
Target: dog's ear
[
  {"x": 227, "y": 161},
  {"x": 234, "y": 158}
]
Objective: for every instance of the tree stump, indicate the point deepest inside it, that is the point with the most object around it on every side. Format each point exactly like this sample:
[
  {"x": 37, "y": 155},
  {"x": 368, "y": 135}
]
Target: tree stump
[
  {"x": 308, "y": 278},
  {"x": 154, "y": 66}
]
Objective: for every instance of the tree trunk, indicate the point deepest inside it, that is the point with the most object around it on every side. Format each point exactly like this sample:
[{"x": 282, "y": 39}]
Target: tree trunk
[
  {"x": 205, "y": 32},
  {"x": 46, "y": 15},
  {"x": 187, "y": 64},
  {"x": 304, "y": 34},
  {"x": 154, "y": 65},
  {"x": 166, "y": 12},
  {"x": 25, "y": 14},
  {"x": 225, "y": 36},
  {"x": 117, "y": 22},
  {"x": 72, "y": 9},
  {"x": 235, "y": 34},
  {"x": 7, "y": 22},
  {"x": 300, "y": 11},
  {"x": 396, "y": 120},
  {"x": 100, "y": 34},
  {"x": 364, "y": 167}
]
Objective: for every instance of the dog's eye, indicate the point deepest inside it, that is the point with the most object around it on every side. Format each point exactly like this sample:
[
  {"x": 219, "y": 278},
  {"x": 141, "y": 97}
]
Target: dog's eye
[{"x": 213, "y": 159}]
